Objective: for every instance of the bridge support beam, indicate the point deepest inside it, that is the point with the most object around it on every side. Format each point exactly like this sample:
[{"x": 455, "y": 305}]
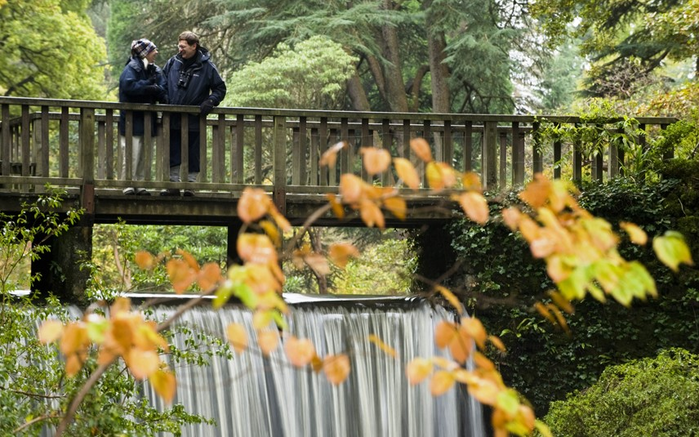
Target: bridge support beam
[{"x": 64, "y": 270}]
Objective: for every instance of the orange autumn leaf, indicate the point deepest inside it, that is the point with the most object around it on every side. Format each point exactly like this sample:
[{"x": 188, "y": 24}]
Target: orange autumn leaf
[
  {"x": 189, "y": 259},
  {"x": 142, "y": 363},
  {"x": 237, "y": 336},
  {"x": 371, "y": 214},
  {"x": 145, "y": 260},
  {"x": 383, "y": 346},
  {"x": 435, "y": 179},
  {"x": 256, "y": 249},
  {"x": 316, "y": 364},
  {"x": 451, "y": 298},
  {"x": 299, "y": 351},
  {"x": 417, "y": 370},
  {"x": 441, "y": 382},
  {"x": 407, "y": 172},
  {"x": 253, "y": 204},
  {"x": 375, "y": 160},
  {"x": 485, "y": 391},
  {"x": 511, "y": 217},
  {"x": 545, "y": 312},
  {"x": 421, "y": 149},
  {"x": 340, "y": 253},
  {"x": 444, "y": 333},
  {"x": 50, "y": 331},
  {"x": 268, "y": 341},
  {"x": 120, "y": 305},
  {"x": 561, "y": 302},
  {"x": 318, "y": 263},
  {"x": 73, "y": 364},
  {"x": 164, "y": 384},
  {"x": 475, "y": 329},
  {"x": 636, "y": 234},
  {"x": 336, "y": 368},
  {"x": 74, "y": 339},
  {"x": 475, "y": 206},
  {"x": 495, "y": 341},
  {"x": 537, "y": 192},
  {"x": 329, "y": 157},
  {"x": 483, "y": 362},
  {"x": 271, "y": 231},
  {"x": 461, "y": 346},
  {"x": 336, "y": 206},
  {"x": 209, "y": 276},
  {"x": 351, "y": 188},
  {"x": 180, "y": 274}
]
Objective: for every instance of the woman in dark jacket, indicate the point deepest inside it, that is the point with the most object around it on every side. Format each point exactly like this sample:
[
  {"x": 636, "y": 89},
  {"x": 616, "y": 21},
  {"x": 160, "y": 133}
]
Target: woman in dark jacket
[
  {"x": 141, "y": 81},
  {"x": 192, "y": 79}
]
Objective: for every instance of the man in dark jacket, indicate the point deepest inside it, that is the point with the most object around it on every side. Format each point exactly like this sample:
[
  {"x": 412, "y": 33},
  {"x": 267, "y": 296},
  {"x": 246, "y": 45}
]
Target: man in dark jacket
[
  {"x": 141, "y": 81},
  {"x": 192, "y": 79}
]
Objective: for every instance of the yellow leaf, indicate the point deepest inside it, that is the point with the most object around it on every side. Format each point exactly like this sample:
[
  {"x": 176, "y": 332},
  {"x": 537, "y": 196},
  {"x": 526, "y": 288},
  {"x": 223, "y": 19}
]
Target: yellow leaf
[
  {"x": 73, "y": 364},
  {"x": 471, "y": 181},
  {"x": 383, "y": 346},
  {"x": 375, "y": 160},
  {"x": 50, "y": 331},
  {"x": 74, "y": 339},
  {"x": 268, "y": 341},
  {"x": 329, "y": 158},
  {"x": 475, "y": 206},
  {"x": 497, "y": 343},
  {"x": 441, "y": 382},
  {"x": 340, "y": 253},
  {"x": 165, "y": 384},
  {"x": 561, "y": 302},
  {"x": 299, "y": 351},
  {"x": 672, "y": 250},
  {"x": 451, "y": 298},
  {"x": 120, "y": 305},
  {"x": 559, "y": 317},
  {"x": 421, "y": 149},
  {"x": 144, "y": 260},
  {"x": 543, "y": 428},
  {"x": 253, "y": 204},
  {"x": 271, "y": 231},
  {"x": 417, "y": 370},
  {"x": 434, "y": 176},
  {"x": 636, "y": 234},
  {"x": 475, "y": 330},
  {"x": 142, "y": 363},
  {"x": 336, "y": 368},
  {"x": 407, "y": 172},
  {"x": 397, "y": 206},
  {"x": 237, "y": 336},
  {"x": 485, "y": 391},
  {"x": 261, "y": 319},
  {"x": 544, "y": 311}
]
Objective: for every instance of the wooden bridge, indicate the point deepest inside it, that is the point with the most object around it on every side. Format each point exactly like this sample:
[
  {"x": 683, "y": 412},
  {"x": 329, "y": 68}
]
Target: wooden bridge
[{"x": 74, "y": 145}]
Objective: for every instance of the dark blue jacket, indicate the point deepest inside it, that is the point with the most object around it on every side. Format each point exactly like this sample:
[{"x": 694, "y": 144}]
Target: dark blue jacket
[
  {"x": 192, "y": 85},
  {"x": 136, "y": 86}
]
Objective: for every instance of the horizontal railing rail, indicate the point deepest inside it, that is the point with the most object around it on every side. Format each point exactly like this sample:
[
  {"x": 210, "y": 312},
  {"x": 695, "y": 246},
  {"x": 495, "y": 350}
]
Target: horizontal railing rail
[{"x": 74, "y": 144}]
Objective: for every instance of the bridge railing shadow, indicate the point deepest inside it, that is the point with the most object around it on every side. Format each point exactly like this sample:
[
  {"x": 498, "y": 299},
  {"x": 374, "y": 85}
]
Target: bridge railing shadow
[{"x": 75, "y": 145}]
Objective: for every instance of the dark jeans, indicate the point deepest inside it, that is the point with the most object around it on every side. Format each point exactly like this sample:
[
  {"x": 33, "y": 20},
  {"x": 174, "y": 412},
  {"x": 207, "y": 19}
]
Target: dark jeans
[{"x": 176, "y": 153}]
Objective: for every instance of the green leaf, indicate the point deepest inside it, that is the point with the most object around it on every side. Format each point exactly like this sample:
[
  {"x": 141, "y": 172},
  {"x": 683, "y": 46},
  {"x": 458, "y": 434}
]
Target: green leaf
[{"x": 672, "y": 250}]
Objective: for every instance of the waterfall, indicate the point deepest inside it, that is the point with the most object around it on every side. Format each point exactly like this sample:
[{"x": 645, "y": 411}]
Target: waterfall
[{"x": 250, "y": 395}]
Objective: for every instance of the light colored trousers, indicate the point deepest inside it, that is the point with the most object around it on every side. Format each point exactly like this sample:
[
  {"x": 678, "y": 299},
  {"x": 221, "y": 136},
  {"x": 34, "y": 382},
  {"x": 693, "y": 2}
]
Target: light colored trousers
[{"x": 138, "y": 165}]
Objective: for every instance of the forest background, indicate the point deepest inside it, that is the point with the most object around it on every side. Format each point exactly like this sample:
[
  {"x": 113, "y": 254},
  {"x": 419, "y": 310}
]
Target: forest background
[{"x": 593, "y": 58}]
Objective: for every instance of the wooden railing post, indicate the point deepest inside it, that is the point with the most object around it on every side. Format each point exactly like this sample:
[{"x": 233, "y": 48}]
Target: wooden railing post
[
  {"x": 87, "y": 159},
  {"x": 489, "y": 155},
  {"x": 279, "y": 163}
]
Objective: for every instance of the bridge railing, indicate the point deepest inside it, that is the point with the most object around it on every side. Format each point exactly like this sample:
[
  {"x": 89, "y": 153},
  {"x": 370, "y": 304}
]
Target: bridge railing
[{"x": 75, "y": 144}]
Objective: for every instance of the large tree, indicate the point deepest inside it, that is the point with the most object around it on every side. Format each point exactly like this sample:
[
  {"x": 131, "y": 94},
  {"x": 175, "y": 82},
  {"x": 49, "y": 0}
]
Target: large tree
[{"x": 50, "y": 49}]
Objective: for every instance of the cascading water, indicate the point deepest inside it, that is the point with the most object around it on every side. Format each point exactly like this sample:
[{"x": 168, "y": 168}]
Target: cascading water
[{"x": 250, "y": 395}]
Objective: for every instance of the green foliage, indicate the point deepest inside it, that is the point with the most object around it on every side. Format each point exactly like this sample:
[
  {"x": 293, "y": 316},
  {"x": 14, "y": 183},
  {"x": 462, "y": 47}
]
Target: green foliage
[
  {"x": 311, "y": 75},
  {"x": 501, "y": 281},
  {"x": 652, "y": 396},
  {"x": 43, "y": 41}
]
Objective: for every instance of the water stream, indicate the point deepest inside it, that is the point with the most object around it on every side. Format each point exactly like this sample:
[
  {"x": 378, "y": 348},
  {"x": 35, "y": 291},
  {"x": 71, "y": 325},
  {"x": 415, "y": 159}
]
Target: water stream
[{"x": 250, "y": 395}]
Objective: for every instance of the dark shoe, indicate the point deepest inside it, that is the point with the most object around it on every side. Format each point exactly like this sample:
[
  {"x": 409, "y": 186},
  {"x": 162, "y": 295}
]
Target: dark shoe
[
  {"x": 142, "y": 192},
  {"x": 188, "y": 193},
  {"x": 129, "y": 191},
  {"x": 170, "y": 192}
]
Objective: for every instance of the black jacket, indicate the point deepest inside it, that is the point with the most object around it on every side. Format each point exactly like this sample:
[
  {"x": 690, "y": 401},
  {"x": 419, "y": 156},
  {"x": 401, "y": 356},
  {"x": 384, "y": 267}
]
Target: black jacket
[
  {"x": 193, "y": 84},
  {"x": 136, "y": 85}
]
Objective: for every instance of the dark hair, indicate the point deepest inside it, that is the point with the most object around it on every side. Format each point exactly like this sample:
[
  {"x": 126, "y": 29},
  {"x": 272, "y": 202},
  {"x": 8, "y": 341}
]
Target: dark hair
[{"x": 189, "y": 36}]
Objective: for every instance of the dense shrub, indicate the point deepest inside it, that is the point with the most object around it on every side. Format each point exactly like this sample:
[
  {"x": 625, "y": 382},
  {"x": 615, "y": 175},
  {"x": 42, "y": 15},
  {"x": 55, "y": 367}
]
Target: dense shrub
[{"x": 648, "y": 397}]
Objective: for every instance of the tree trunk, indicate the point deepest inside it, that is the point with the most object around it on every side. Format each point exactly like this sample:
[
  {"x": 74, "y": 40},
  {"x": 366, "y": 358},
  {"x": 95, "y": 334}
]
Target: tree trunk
[
  {"x": 436, "y": 45},
  {"x": 395, "y": 86},
  {"x": 357, "y": 95}
]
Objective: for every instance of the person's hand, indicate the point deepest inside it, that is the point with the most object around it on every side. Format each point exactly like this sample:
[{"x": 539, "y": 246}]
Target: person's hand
[
  {"x": 152, "y": 90},
  {"x": 206, "y": 107}
]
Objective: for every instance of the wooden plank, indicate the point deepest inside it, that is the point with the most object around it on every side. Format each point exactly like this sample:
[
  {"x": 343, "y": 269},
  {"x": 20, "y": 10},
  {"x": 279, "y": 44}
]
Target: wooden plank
[
  {"x": 502, "y": 167},
  {"x": 43, "y": 158},
  {"x": 537, "y": 156},
  {"x": 109, "y": 144},
  {"x": 468, "y": 146},
  {"x": 489, "y": 155},
  {"x": 258, "y": 148},
  {"x": 517, "y": 155},
  {"x": 5, "y": 155},
  {"x": 63, "y": 154}
]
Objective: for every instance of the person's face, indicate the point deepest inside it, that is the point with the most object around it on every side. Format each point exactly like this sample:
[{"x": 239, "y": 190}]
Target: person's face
[
  {"x": 186, "y": 50},
  {"x": 151, "y": 56}
]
